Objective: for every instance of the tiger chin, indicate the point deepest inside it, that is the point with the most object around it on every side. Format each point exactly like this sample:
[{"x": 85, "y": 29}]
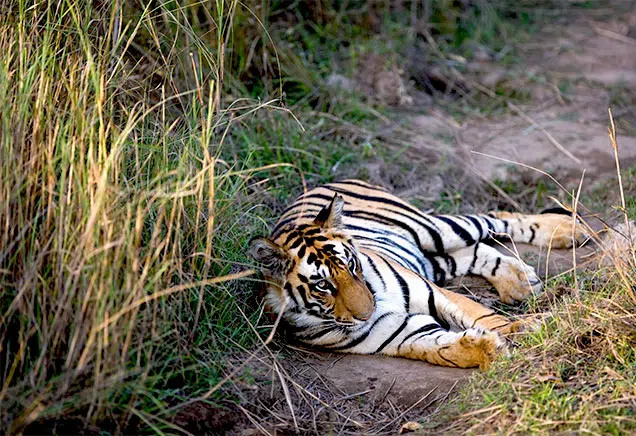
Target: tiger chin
[{"x": 355, "y": 269}]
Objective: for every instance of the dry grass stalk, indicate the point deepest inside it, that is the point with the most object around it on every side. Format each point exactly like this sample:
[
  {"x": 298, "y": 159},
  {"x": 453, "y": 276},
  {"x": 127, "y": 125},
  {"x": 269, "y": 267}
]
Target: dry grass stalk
[{"x": 612, "y": 135}]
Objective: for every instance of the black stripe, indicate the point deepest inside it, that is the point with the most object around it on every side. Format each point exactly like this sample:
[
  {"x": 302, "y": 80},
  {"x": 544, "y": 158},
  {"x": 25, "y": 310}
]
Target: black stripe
[
  {"x": 376, "y": 271},
  {"x": 296, "y": 243},
  {"x": 290, "y": 292},
  {"x": 534, "y": 233},
  {"x": 472, "y": 264},
  {"x": 386, "y": 220},
  {"x": 352, "y": 343},
  {"x": 425, "y": 328},
  {"x": 459, "y": 230},
  {"x": 477, "y": 224},
  {"x": 438, "y": 272},
  {"x": 491, "y": 226},
  {"x": 439, "y": 352},
  {"x": 406, "y": 292},
  {"x": 438, "y": 329},
  {"x": 358, "y": 183},
  {"x": 303, "y": 209},
  {"x": 379, "y": 245},
  {"x": 377, "y": 232},
  {"x": 439, "y": 275},
  {"x": 301, "y": 291},
  {"x": 292, "y": 235},
  {"x": 433, "y": 311},
  {"x": 557, "y": 210},
  {"x": 394, "y": 334},
  {"x": 482, "y": 317},
  {"x": 434, "y": 234},
  {"x": 320, "y": 332},
  {"x": 404, "y": 206},
  {"x": 282, "y": 223},
  {"x": 450, "y": 262},
  {"x": 494, "y": 270},
  {"x": 297, "y": 204}
]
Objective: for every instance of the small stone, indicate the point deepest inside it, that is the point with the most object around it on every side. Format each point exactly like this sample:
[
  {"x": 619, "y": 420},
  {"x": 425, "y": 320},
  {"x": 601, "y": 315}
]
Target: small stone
[{"x": 409, "y": 427}]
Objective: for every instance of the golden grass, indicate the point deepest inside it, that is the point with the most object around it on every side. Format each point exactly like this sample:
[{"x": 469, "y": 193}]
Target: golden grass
[{"x": 109, "y": 217}]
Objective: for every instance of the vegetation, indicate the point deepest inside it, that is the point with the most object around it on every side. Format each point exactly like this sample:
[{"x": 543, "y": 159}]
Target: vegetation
[
  {"x": 143, "y": 143},
  {"x": 576, "y": 372}
]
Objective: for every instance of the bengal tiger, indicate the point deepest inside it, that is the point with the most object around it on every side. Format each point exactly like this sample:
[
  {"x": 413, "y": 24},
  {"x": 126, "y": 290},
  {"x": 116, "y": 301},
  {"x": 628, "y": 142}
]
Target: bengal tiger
[{"x": 356, "y": 269}]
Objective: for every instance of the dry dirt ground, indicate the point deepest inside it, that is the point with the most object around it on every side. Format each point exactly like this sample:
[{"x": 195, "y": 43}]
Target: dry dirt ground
[
  {"x": 574, "y": 72},
  {"x": 581, "y": 67}
]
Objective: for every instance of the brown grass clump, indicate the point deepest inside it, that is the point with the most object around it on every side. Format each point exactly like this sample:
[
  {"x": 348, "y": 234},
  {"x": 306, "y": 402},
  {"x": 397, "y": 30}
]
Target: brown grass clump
[{"x": 575, "y": 373}]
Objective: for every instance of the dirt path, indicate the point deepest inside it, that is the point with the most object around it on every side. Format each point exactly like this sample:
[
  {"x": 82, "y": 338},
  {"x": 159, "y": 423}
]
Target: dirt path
[{"x": 574, "y": 72}]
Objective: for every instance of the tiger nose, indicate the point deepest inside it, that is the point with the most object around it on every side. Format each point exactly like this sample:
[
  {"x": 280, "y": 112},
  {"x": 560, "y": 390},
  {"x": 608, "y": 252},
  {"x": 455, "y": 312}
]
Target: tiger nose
[{"x": 366, "y": 316}]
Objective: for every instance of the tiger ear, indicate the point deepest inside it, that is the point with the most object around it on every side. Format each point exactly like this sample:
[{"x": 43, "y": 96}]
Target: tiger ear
[
  {"x": 273, "y": 258},
  {"x": 331, "y": 215}
]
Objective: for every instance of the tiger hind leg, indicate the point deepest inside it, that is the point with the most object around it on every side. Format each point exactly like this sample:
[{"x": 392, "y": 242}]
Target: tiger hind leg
[{"x": 557, "y": 230}]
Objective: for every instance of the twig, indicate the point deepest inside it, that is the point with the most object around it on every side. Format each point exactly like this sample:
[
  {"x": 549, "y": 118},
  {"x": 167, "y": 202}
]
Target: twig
[
  {"x": 523, "y": 165},
  {"x": 484, "y": 410},
  {"x": 253, "y": 420},
  {"x": 287, "y": 395},
  {"x": 296, "y": 385},
  {"x": 547, "y": 134},
  {"x": 409, "y": 409},
  {"x": 388, "y": 390},
  {"x": 613, "y": 35},
  {"x": 574, "y": 223},
  {"x": 357, "y": 394},
  {"x": 612, "y": 134},
  {"x": 485, "y": 179}
]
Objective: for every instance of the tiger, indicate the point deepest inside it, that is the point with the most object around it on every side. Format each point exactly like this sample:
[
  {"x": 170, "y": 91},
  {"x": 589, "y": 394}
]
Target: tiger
[{"x": 353, "y": 268}]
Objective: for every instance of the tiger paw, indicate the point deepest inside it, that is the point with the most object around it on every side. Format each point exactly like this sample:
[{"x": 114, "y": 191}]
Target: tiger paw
[
  {"x": 514, "y": 280},
  {"x": 520, "y": 326},
  {"x": 511, "y": 328},
  {"x": 557, "y": 231},
  {"x": 475, "y": 348}
]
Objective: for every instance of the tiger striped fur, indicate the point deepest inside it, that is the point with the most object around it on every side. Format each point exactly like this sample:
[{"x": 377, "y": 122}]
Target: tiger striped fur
[{"x": 357, "y": 270}]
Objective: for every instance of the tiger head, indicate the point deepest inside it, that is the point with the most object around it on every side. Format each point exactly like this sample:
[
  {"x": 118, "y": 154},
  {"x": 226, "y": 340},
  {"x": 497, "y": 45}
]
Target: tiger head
[{"x": 313, "y": 268}]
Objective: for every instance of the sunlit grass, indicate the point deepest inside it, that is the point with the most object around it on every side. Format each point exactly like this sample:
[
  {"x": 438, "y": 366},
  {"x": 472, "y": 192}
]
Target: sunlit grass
[{"x": 114, "y": 228}]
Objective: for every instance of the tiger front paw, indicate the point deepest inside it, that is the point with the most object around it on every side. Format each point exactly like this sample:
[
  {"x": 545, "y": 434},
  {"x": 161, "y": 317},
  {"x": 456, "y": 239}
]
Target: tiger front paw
[
  {"x": 514, "y": 280},
  {"x": 475, "y": 348},
  {"x": 520, "y": 326}
]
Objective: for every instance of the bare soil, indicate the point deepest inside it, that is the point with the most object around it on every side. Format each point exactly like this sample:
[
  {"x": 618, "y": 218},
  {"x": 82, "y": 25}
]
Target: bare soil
[{"x": 574, "y": 72}]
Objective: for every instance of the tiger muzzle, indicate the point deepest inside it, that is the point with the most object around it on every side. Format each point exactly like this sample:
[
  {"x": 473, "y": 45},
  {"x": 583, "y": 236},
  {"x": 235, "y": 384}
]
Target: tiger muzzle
[{"x": 355, "y": 301}]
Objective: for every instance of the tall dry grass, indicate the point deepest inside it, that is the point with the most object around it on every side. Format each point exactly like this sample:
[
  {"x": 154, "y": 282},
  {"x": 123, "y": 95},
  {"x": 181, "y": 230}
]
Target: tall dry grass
[{"x": 114, "y": 212}]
